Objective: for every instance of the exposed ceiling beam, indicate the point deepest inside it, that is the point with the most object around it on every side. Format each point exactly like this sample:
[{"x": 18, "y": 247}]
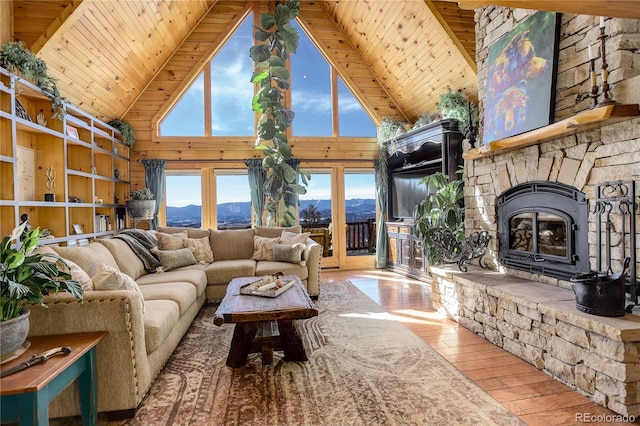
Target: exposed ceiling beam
[
  {"x": 611, "y": 8},
  {"x": 454, "y": 38}
]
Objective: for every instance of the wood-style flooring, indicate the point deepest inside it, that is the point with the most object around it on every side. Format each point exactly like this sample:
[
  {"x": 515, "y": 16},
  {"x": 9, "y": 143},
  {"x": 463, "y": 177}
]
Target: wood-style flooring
[{"x": 531, "y": 394}]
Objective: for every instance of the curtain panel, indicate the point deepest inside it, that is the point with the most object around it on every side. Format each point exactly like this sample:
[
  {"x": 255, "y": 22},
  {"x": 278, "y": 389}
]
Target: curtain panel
[
  {"x": 256, "y": 176},
  {"x": 154, "y": 180},
  {"x": 382, "y": 247}
]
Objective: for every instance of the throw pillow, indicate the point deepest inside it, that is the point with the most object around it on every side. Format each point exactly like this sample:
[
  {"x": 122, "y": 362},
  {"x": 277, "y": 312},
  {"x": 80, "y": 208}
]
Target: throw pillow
[
  {"x": 171, "y": 259},
  {"x": 171, "y": 241},
  {"x": 77, "y": 273},
  {"x": 276, "y": 231},
  {"x": 291, "y": 253},
  {"x": 263, "y": 247},
  {"x": 201, "y": 248},
  {"x": 292, "y": 238},
  {"x": 109, "y": 278}
]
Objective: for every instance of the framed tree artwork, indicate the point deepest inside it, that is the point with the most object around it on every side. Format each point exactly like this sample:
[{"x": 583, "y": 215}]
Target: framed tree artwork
[{"x": 520, "y": 91}]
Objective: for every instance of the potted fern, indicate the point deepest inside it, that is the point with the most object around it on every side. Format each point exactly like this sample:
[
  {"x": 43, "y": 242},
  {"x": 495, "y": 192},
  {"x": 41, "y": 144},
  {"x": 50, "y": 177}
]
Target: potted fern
[{"x": 25, "y": 278}]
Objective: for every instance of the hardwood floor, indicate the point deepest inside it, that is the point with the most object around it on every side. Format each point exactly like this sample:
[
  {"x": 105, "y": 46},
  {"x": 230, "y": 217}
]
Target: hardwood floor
[{"x": 535, "y": 397}]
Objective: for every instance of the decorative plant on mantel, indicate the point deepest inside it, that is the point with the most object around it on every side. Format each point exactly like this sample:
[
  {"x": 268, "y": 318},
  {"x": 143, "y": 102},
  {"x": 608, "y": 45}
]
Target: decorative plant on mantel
[
  {"x": 17, "y": 58},
  {"x": 278, "y": 39}
]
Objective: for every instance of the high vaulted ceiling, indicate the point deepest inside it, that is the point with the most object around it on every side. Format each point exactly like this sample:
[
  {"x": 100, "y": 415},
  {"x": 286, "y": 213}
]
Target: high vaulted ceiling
[{"x": 117, "y": 58}]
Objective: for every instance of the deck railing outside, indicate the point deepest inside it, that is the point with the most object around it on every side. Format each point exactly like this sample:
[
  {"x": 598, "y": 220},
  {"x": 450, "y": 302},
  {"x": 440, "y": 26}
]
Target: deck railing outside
[{"x": 360, "y": 236}]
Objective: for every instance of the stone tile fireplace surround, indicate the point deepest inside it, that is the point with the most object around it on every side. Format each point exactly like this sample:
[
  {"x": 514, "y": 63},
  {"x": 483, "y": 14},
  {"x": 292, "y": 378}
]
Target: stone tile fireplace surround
[{"x": 530, "y": 315}]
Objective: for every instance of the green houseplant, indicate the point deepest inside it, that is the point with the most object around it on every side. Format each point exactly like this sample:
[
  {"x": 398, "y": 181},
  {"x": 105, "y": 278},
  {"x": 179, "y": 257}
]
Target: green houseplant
[
  {"x": 456, "y": 105},
  {"x": 17, "y": 58},
  {"x": 26, "y": 278},
  {"x": 440, "y": 210},
  {"x": 142, "y": 204},
  {"x": 277, "y": 40},
  {"x": 125, "y": 129}
]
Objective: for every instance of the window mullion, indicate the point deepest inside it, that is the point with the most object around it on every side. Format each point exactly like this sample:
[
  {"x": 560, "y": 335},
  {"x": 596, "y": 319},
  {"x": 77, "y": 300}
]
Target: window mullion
[
  {"x": 334, "y": 102},
  {"x": 207, "y": 99}
]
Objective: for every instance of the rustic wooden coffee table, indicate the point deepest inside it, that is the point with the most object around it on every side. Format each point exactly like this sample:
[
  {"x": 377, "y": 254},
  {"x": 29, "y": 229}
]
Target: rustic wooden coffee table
[{"x": 264, "y": 324}]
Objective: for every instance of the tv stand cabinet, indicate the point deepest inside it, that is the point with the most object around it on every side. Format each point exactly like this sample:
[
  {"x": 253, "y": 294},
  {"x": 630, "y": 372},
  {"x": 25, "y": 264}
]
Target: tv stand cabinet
[
  {"x": 436, "y": 147},
  {"x": 405, "y": 251}
]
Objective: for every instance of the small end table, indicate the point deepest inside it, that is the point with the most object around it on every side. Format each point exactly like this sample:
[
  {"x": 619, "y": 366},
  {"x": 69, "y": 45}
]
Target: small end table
[{"x": 25, "y": 395}]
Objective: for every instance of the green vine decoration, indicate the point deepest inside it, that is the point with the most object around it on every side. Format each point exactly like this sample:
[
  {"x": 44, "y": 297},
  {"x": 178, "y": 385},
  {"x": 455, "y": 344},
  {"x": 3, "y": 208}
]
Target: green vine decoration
[
  {"x": 455, "y": 105},
  {"x": 278, "y": 39},
  {"x": 18, "y": 59},
  {"x": 125, "y": 129}
]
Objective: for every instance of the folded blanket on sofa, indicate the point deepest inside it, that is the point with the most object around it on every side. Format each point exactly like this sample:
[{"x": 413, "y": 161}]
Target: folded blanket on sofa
[{"x": 141, "y": 243}]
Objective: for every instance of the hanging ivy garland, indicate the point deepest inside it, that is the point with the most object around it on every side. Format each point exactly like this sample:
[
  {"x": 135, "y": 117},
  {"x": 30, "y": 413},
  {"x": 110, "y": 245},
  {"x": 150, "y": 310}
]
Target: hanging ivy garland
[{"x": 278, "y": 39}]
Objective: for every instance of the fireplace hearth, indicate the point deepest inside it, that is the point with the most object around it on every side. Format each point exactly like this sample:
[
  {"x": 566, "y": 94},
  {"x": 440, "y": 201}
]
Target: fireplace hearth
[{"x": 543, "y": 229}]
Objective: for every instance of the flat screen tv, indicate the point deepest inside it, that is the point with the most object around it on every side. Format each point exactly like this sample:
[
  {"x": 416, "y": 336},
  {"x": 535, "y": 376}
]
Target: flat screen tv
[{"x": 405, "y": 194}]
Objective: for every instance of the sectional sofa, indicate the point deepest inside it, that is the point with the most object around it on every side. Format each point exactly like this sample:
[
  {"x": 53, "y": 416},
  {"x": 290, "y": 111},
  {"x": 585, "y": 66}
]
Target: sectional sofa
[{"x": 147, "y": 313}]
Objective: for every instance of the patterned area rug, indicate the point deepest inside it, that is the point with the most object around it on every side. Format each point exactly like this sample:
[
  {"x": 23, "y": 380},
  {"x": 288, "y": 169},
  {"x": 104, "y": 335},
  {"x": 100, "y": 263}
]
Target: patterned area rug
[{"x": 363, "y": 369}]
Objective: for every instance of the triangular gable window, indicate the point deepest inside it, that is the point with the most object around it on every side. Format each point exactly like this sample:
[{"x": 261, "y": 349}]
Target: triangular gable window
[
  {"x": 312, "y": 98},
  {"x": 228, "y": 75}
]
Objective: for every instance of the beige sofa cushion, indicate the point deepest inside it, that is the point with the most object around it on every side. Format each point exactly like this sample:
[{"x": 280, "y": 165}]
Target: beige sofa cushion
[
  {"x": 293, "y": 238},
  {"x": 126, "y": 259},
  {"x": 201, "y": 248},
  {"x": 270, "y": 268},
  {"x": 191, "y": 232},
  {"x": 159, "y": 320},
  {"x": 232, "y": 244},
  {"x": 263, "y": 247},
  {"x": 108, "y": 278},
  {"x": 189, "y": 274},
  {"x": 89, "y": 257},
  {"x": 77, "y": 273},
  {"x": 172, "y": 259},
  {"x": 273, "y": 232},
  {"x": 183, "y": 293},
  {"x": 171, "y": 241},
  {"x": 291, "y": 253},
  {"x": 223, "y": 271}
]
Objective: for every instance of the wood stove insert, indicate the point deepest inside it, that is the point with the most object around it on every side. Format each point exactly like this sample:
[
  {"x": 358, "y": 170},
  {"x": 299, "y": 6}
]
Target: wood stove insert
[{"x": 543, "y": 229}]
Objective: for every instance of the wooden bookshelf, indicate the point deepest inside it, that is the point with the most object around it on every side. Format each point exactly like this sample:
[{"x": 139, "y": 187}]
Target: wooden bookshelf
[{"x": 82, "y": 151}]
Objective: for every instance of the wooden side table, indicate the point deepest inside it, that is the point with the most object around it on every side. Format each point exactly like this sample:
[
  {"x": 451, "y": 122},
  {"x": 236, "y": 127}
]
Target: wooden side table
[{"x": 25, "y": 395}]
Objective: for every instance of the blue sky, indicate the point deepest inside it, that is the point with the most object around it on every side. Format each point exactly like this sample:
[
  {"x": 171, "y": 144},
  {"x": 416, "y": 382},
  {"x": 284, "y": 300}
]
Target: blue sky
[{"x": 232, "y": 91}]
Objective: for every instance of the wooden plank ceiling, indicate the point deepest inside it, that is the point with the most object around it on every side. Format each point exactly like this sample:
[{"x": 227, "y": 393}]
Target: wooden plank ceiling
[
  {"x": 130, "y": 58},
  {"x": 396, "y": 56}
]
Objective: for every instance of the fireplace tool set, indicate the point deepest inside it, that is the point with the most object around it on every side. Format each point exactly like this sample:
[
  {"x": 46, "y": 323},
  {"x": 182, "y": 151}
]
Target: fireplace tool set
[{"x": 605, "y": 293}]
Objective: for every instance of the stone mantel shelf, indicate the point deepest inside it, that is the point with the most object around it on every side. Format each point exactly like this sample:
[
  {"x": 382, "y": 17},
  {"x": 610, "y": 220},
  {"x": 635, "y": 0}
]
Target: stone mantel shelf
[{"x": 586, "y": 120}]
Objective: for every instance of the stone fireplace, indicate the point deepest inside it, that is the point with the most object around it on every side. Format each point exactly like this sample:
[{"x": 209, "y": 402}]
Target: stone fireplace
[{"x": 524, "y": 303}]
